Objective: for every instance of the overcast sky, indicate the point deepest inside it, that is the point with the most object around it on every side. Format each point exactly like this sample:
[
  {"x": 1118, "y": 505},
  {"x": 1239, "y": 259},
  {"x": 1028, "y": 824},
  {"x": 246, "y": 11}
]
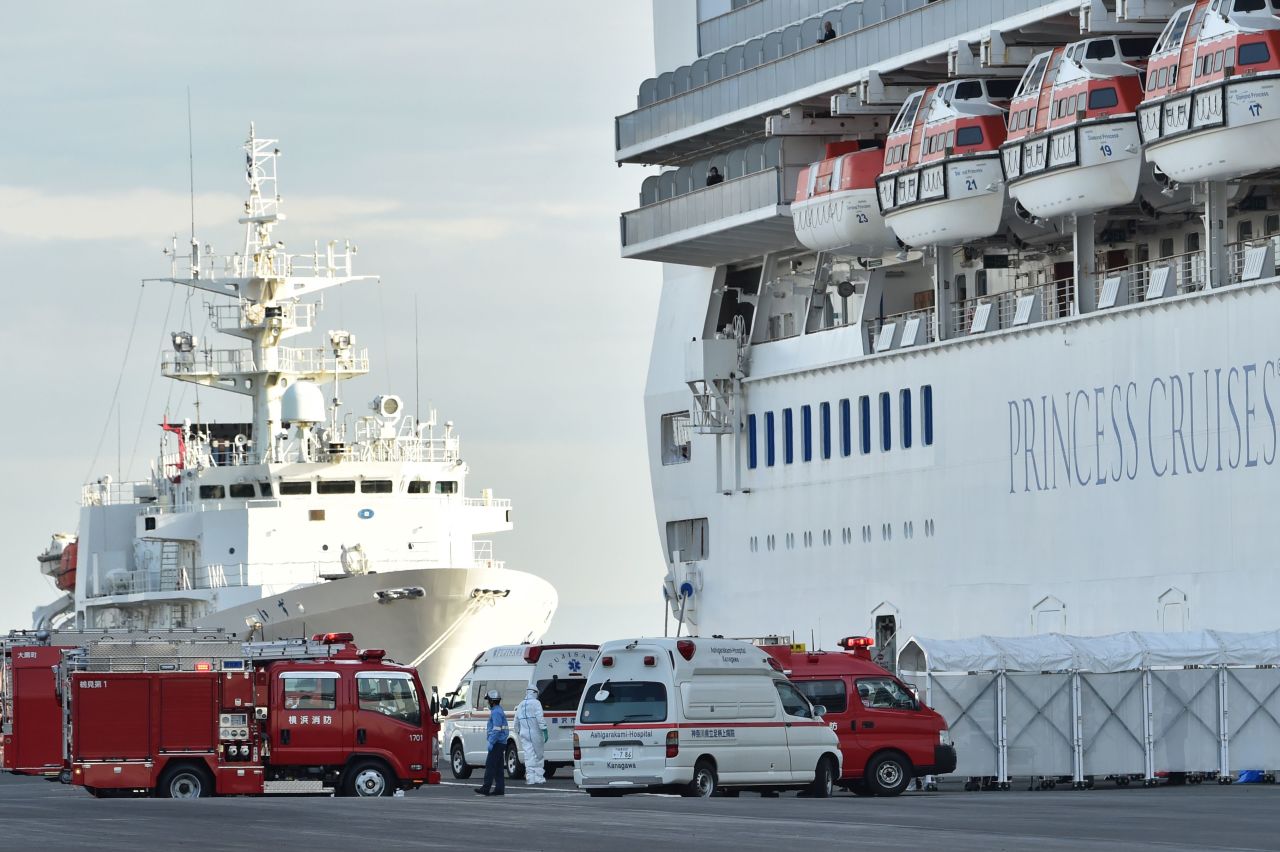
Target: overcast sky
[{"x": 467, "y": 149}]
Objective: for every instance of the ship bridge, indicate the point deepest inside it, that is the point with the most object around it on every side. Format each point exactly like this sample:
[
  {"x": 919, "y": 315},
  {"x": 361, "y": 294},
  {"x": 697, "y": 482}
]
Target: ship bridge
[{"x": 766, "y": 92}]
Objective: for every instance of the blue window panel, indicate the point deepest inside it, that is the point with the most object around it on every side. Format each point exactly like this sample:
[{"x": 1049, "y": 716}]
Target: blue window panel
[
  {"x": 788, "y": 436},
  {"x": 886, "y": 424},
  {"x": 824, "y": 411},
  {"x": 864, "y": 418},
  {"x": 768, "y": 439},
  {"x": 926, "y": 410},
  {"x": 752, "y": 458},
  {"x": 846, "y": 429},
  {"x": 806, "y": 433},
  {"x": 906, "y": 418}
]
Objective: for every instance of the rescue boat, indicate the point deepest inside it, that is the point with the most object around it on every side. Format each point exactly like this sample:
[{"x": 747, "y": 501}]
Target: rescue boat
[
  {"x": 58, "y": 561},
  {"x": 1212, "y": 104},
  {"x": 942, "y": 183},
  {"x": 1073, "y": 144},
  {"x": 835, "y": 205}
]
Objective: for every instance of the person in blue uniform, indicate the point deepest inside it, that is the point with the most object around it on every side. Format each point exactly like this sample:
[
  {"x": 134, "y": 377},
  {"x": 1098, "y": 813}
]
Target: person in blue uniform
[{"x": 496, "y": 732}]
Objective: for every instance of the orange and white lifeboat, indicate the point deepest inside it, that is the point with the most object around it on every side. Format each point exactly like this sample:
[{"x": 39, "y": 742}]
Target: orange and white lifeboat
[
  {"x": 835, "y": 205},
  {"x": 1073, "y": 144},
  {"x": 1212, "y": 104},
  {"x": 942, "y": 183}
]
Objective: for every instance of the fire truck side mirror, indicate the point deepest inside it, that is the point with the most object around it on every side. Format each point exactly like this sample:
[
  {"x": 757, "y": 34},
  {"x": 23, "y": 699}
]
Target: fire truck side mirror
[
  {"x": 260, "y": 713},
  {"x": 436, "y": 709}
]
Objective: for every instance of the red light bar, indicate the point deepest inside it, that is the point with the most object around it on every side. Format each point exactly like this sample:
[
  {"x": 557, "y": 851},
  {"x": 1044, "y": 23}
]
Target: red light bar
[
  {"x": 333, "y": 638},
  {"x": 851, "y": 642},
  {"x": 532, "y": 653},
  {"x": 686, "y": 648},
  {"x": 373, "y": 655},
  {"x": 204, "y": 667}
]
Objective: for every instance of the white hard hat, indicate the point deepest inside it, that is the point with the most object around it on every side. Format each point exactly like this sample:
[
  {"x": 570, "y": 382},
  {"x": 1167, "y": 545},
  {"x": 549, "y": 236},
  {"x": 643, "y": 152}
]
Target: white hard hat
[{"x": 494, "y": 695}]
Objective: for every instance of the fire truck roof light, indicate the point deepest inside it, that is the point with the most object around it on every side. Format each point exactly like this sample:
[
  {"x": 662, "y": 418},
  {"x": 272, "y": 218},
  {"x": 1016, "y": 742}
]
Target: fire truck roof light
[
  {"x": 373, "y": 654},
  {"x": 851, "y": 642},
  {"x": 333, "y": 638},
  {"x": 686, "y": 648},
  {"x": 204, "y": 667}
]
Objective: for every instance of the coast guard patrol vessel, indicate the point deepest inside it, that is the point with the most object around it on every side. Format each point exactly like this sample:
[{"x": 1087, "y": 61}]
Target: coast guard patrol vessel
[
  {"x": 309, "y": 515},
  {"x": 977, "y": 334}
]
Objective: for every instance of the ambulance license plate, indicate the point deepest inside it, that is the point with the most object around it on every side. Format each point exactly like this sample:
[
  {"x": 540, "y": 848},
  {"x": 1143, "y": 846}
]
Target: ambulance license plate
[{"x": 624, "y": 754}]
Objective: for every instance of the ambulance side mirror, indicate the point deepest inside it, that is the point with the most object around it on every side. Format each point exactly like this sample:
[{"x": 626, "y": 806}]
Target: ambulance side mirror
[
  {"x": 260, "y": 713},
  {"x": 819, "y": 710}
]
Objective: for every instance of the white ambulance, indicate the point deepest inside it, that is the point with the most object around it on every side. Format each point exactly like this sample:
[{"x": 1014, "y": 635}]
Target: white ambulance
[
  {"x": 697, "y": 715},
  {"x": 558, "y": 671}
]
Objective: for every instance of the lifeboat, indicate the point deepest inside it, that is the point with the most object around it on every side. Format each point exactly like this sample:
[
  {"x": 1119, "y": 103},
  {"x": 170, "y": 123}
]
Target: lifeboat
[
  {"x": 942, "y": 183},
  {"x": 835, "y": 205},
  {"x": 1212, "y": 105},
  {"x": 59, "y": 561},
  {"x": 1073, "y": 145}
]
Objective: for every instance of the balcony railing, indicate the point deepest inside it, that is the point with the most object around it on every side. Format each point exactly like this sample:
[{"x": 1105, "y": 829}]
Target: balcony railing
[
  {"x": 922, "y": 322},
  {"x": 755, "y": 19},
  {"x": 663, "y": 130},
  {"x": 742, "y": 217},
  {"x": 1054, "y": 301}
]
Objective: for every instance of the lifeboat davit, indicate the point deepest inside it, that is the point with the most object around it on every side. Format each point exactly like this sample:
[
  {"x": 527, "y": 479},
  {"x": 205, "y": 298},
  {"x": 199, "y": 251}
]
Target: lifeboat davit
[
  {"x": 835, "y": 205},
  {"x": 1212, "y": 104},
  {"x": 1073, "y": 144},
  {"x": 942, "y": 183}
]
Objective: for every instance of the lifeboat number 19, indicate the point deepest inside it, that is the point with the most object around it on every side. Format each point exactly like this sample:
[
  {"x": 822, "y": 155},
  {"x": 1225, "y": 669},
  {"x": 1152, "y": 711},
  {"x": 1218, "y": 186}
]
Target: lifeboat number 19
[{"x": 1106, "y": 150}]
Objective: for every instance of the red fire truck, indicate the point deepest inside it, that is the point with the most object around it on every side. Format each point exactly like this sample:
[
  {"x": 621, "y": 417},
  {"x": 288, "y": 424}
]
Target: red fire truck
[
  {"x": 192, "y": 718},
  {"x": 887, "y": 736}
]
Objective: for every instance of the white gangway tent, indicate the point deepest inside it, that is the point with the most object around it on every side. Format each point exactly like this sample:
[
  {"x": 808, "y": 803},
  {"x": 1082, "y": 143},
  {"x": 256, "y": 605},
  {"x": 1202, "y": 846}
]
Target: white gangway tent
[{"x": 1127, "y": 705}]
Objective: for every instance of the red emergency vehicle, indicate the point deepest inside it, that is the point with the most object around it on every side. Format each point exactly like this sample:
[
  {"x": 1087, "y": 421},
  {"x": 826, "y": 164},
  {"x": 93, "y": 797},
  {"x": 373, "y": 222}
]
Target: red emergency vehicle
[
  {"x": 188, "y": 719},
  {"x": 887, "y": 736}
]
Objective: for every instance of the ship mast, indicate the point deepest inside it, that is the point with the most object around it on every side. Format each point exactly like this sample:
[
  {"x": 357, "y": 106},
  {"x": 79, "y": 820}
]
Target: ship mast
[{"x": 268, "y": 285}]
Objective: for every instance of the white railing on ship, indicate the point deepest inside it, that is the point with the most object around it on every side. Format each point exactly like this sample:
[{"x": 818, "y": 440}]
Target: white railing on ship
[
  {"x": 293, "y": 315},
  {"x": 1189, "y": 273},
  {"x": 875, "y": 326},
  {"x": 1056, "y": 302},
  {"x": 333, "y": 260}
]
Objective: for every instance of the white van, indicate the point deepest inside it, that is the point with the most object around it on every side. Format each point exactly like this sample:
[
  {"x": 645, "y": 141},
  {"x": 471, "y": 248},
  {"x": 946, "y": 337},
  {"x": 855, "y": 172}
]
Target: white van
[
  {"x": 698, "y": 715},
  {"x": 558, "y": 671}
]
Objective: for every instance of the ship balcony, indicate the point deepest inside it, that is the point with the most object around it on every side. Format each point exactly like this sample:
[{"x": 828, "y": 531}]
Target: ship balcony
[
  {"x": 723, "y": 97},
  {"x": 758, "y": 18},
  {"x": 1012, "y": 308}
]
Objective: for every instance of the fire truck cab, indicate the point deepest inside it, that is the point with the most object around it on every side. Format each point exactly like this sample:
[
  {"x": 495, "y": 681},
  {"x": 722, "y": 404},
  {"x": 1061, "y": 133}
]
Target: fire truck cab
[
  {"x": 192, "y": 718},
  {"x": 887, "y": 736}
]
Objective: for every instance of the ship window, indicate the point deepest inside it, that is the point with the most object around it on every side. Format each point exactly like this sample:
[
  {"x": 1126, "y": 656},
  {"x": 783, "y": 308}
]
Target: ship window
[
  {"x": 886, "y": 423},
  {"x": 293, "y": 487},
  {"x": 752, "y": 458},
  {"x": 980, "y": 283},
  {"x": 1031, "y": 119},
  {"x": 1249, "y": 5},
  {"x": 1001, "y": 90},
  {"x": 447, "y": 487},
  {"x": 1253, "y": 54},
  {"x": 1162, "y": 78},
  {"x": 1166, "y": 247},
  {"x": 951, "y": 138},
  {"x": 968, "y": 89},
  {"x": 824, "y": 413},
  {"x": 242, "y": 491},
  {"x": 419, "y": 486},
  {"x": 1230, "y": 60},
  {"x": 1244, "y": 230},
  {"x": 1193, "y": 242},
  {"x": 677, "y": 437},
  {"x": 336, "y": 486},
  {"x": 769, "y": 457},
  {"x": 926, "y": 415},
  {"x": 864, "y": 416},
  {"x": 376, "y": 486},
  {"x": 1217, "y": 61},
  {"x": 806, "y": 433},
  {"x": 1104, "y": 98},
  {"x": 1137, "y": 48},
  {"x": 264, "y": 488},
  {"x": 905, "y": 417},
  {"x": 1103, "y": 49},
  {"x": 966, "y": 136},
  {"x": 1173, "y": 35},
  {"x": 212, "y": 492},
  {"x": 788, "y": 429},
  {"x": 846, "y": 429},
  {"x": 1271, "y": 224}
]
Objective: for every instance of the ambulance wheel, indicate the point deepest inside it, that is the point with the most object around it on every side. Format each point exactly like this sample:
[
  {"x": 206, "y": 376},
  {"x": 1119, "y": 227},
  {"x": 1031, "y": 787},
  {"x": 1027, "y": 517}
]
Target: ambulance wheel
[
  {"x": 824, "y": 779},
  {"x": 458, "y": 762},
  {"x": 515, "y": 769},
  {"x": 703, "y": 785},
  {"x": 185, "y": 782},
  {"x": 368, "y": 779},
  {"x": 549, "y": 770},
  {"x": 606, "y": 794},
  {"x": 888, "y": 773}
]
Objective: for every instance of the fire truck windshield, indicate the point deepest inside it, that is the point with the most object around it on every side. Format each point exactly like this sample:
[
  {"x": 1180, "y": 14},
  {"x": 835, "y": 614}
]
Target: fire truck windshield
[{"x": 389, "y": 693}]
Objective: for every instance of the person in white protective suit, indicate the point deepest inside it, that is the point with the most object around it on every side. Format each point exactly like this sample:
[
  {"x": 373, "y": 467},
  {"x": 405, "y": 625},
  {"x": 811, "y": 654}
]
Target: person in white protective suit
[{"x": 531, "y": 727}]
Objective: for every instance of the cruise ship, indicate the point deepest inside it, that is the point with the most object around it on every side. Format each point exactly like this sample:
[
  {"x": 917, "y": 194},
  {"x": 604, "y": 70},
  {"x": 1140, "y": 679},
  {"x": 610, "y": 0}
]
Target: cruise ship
[
  {"x": 970, "y": 331},
  {"x": 314, "y": 515}
]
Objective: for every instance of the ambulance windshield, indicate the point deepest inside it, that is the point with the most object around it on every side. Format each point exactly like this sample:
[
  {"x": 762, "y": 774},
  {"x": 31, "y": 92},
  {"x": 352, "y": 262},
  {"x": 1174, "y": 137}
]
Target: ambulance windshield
[{"x": 624, "y": 701}]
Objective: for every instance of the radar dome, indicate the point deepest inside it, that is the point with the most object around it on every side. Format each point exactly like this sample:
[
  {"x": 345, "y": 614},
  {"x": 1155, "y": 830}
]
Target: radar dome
[{"x": 302, "y": 402}]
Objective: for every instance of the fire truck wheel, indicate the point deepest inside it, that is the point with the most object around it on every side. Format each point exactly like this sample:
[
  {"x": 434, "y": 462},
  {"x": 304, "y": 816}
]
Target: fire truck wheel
[
  {"x": 888, "y": 773},
  {"x": 515, "y": 769},
  {"x": 369, "y": 778},
  {"x": 458, "y": 762},
  {"x": 184, "y": 782},
  {"x": 703, "y": 785}
]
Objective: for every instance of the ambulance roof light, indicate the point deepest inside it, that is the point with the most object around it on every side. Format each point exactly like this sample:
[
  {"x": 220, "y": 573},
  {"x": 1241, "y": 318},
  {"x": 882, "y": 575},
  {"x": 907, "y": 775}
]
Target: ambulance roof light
[
  {"x": 532, "y": 653},
  {"x": 773, "y": 662},
  {"x": 686, "y": 648}
]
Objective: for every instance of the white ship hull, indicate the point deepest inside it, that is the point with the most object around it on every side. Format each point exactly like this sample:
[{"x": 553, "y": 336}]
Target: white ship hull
[
  {"x": 461, "y": 612},
  {"x": 1080, "y": 479}
]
